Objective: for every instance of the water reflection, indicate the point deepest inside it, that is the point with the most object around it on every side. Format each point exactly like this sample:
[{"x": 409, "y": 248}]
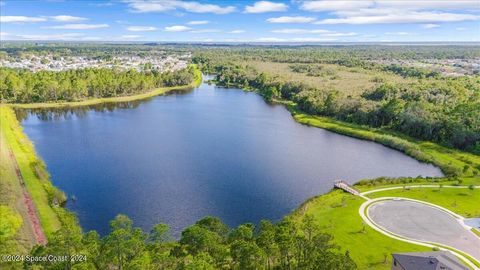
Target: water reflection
[
  {"x": 67, "y": 112},
  {"x": 214, "y": 151}
]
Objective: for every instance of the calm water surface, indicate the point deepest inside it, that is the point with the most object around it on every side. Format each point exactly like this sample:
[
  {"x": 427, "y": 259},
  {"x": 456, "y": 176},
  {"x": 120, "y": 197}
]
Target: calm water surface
[{"x": 210, "y": 151}]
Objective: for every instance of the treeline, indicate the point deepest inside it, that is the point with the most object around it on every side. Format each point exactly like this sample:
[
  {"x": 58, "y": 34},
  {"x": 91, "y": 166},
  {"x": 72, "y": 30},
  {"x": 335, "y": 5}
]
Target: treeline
[
  {"x": 411, "y": 71},
  {"x": 445, "y": 110},
  {"x": 208, "y": 244},
  {"x": 345, "y": 55},
  {"x": 23, "y": 86}
]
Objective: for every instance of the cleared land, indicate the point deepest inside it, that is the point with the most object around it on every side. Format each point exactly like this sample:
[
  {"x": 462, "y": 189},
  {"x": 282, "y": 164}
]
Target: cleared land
[
  {"x": 426, "y": 223},
  {"x": 337, "y": 214},
  {"x": 11, "y": 195},
  {"x": 464, "y": 201},
  {"x": 349, "y": 80}
]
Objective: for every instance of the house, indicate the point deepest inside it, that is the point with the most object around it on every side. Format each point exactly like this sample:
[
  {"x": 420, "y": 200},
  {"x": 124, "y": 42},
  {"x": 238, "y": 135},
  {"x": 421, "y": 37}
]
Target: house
[{"x": 436, "y": 260}]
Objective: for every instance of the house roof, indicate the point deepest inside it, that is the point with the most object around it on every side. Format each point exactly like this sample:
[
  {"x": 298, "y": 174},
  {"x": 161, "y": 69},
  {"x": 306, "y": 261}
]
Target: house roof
[{"x": 436, "y": 260}]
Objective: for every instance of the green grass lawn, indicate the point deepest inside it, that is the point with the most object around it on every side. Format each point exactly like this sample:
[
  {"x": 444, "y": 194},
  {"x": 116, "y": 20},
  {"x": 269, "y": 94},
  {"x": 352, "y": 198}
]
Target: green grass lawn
[
  {"x": 464, "y": 201},
  {"x": 337, "y": 214}
]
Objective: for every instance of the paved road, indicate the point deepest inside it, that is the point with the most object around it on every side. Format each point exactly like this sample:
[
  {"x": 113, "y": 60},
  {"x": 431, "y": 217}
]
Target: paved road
[{"x": 425, "y": 223}]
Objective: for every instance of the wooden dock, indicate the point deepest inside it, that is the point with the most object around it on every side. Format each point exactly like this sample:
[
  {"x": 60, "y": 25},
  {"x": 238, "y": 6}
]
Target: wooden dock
[{"x": 340, "y": 184}]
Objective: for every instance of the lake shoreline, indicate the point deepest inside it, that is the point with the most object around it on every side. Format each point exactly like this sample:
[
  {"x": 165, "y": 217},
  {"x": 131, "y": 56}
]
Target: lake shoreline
[
  {"x": 95, "y": 101},
  {"x": 423, "y": 151},
  {"x": 316, "y": 121}
]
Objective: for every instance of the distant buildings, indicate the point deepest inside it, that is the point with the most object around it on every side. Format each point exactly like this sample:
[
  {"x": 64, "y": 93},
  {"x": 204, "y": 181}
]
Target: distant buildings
[
  {"x": 447, "y": 67},
  {"x": 437, "y": 260}
]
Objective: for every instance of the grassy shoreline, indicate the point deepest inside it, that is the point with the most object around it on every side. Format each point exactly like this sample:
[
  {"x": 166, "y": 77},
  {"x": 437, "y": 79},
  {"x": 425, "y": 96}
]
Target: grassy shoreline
[
  {"x": 32, "y": 169},
  {"x": 335, "y": 211},
  {"x": 452, "y": 162},
  {"x": 45, "y": 195}
]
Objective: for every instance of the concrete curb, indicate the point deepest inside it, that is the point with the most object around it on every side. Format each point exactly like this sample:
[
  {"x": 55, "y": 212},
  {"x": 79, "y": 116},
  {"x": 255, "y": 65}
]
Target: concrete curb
[
  {"x": 372, "y": 224},
  {"x": 414, "y": 186}
]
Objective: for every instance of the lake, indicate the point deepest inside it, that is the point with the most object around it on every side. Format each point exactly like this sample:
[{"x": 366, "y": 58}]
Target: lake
[{"x": 211, "y": 151}]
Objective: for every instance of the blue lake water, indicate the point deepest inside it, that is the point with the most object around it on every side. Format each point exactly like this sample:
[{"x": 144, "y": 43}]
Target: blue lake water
[{"x": 210, "y": 151}]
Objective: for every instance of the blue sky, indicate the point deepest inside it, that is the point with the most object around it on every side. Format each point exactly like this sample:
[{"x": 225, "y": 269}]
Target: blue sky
[{"x": 242, "y": 21}]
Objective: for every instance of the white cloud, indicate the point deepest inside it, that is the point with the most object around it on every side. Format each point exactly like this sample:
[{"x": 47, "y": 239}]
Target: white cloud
[
  {"x": 91, "y": 38},
  {"x": 141, "y": 28},
  {"x": 130, "y": 36},
  {"x": 399, "y": 33},
  {"x": 410, "y": 17},
  {"x": 198, "y": 31},
  {"x": 394, "y": 11},
  {"x": 67, "y": 18},
  {"x": 66, "y": 36},
  {"x": 287, "y": 19},
  {"x": 166, "y": 5},
  {"x": 340, "y": 34},
  {"x": 311, "y": 39},
  {"x": 460, "y": 28},
  {"x": 271, "y": 39},
  {"x": 21, "y": 19},
  {"x": 238, "y": 31},
  {"x": 430, "y": 26},
  {"x": 334, "y": 5},
  {"x": 79, "y": 26},
  {"x": 101, "y": 4},
  {"x": 198, "y": 22},
  {"x": 302, "y": 39},
  {"x": 430, "y": 4},
  {"x": 322, "y": 32},
  {"x": 346, "y": 5},
  {"x": 299, "y": 31},
  {"x": 266, "y": 6},
  {"x": 177, "y": 28}
]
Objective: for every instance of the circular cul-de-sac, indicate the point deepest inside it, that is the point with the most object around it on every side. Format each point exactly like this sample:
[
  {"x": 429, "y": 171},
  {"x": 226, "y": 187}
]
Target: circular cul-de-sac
[{"x": 422, "y": 222}]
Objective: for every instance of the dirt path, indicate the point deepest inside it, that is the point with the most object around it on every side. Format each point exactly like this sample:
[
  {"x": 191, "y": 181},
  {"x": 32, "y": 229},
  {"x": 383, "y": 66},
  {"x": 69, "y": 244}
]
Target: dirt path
[{"x": 27, "y": 199}]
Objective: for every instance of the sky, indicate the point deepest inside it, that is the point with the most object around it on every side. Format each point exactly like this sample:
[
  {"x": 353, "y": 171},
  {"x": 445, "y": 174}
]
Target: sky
[{"x": 242, "y": 21}]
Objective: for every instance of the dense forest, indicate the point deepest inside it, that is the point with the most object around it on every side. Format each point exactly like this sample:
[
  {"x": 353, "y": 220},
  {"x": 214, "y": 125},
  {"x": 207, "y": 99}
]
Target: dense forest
[
  {"x": 23, "y": 86},
  {"x": 208, "y": 244},
  {"x": 429, "y": 107}
]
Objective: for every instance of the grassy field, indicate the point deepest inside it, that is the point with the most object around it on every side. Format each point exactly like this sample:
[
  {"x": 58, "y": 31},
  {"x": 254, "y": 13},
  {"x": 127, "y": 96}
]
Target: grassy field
[
  {"x": 459, "y": 200},
  {"x": 351, "y": 81},
  {"x": 337, "y": 212},
  {"x": 32, "y": 169}
]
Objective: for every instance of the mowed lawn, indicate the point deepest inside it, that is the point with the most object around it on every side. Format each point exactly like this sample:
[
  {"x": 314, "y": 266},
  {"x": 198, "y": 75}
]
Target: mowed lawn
[
  {"x": 337, "y": 214},
  {"x": 463, "y": 201}
]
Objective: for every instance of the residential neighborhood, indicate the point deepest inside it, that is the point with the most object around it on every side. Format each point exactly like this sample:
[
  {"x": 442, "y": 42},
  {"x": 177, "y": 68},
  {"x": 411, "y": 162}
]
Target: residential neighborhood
[{"x": 51, "y": 62}]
